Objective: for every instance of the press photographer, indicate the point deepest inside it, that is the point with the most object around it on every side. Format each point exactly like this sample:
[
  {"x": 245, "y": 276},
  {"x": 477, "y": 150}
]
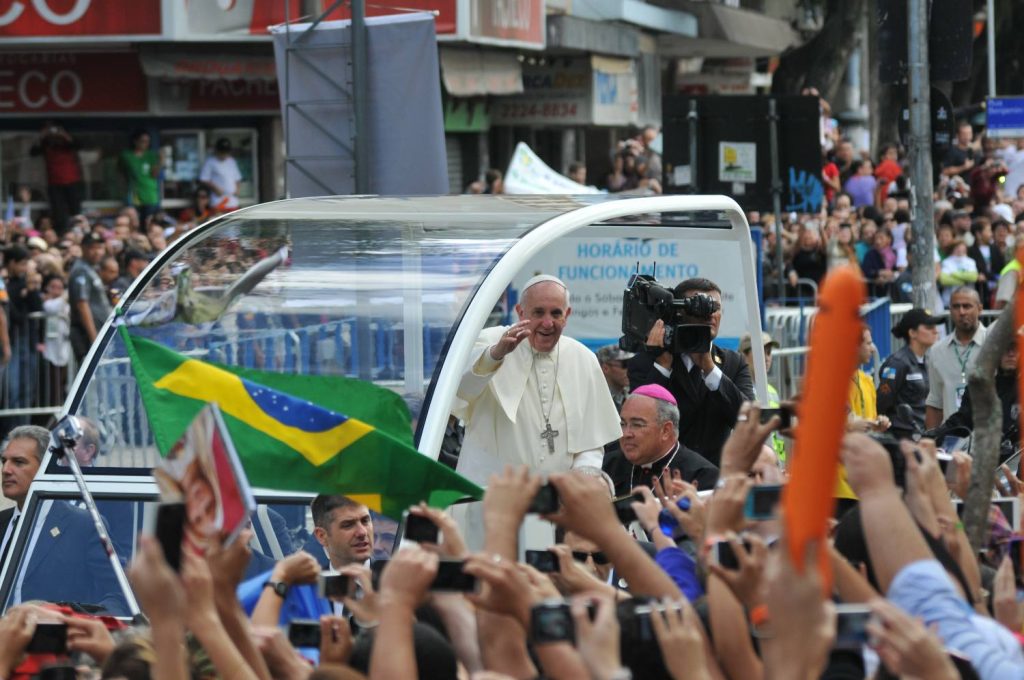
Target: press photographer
[{"x": 709, "y": 382}]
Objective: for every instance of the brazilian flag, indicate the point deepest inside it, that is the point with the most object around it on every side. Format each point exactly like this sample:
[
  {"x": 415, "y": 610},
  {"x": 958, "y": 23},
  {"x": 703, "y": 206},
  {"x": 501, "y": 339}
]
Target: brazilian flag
[{"x": 288, "y": 443}]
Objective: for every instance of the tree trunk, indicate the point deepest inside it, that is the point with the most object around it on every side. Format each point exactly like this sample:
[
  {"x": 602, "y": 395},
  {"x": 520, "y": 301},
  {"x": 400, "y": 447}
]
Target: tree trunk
[
  {"x": 988, "y": 426},
  {"x": 821, "y": 61}
]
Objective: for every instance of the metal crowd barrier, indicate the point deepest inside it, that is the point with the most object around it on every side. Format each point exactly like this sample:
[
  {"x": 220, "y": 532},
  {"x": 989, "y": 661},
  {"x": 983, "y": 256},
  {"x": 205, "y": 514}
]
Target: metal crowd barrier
[
  {"x": 114, "y": 404},
  {"x": 32, "y": 388}
]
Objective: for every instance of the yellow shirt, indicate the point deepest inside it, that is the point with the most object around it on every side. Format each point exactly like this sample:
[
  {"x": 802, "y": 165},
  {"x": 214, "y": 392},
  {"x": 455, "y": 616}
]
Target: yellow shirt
[{"x": 863, "y": 404}]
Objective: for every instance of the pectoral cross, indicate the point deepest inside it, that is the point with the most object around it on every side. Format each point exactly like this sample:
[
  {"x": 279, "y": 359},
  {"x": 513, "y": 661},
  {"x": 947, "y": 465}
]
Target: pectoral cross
[{"x": 549, "y": 434}]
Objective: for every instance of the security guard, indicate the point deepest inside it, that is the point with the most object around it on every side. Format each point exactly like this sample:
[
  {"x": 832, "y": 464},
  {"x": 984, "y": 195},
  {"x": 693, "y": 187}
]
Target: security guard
[{"x": 904, "y": 376}]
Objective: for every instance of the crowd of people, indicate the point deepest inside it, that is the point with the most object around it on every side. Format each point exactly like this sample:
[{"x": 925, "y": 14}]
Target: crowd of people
[
  {"x": 63, "y": 271},
  {"x": 865, "y": 219},
  {"x": 605, "y": 547}
]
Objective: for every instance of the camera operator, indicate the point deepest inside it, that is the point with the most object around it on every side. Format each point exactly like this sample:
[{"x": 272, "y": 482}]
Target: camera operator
[{"x": 709, "y": 387}]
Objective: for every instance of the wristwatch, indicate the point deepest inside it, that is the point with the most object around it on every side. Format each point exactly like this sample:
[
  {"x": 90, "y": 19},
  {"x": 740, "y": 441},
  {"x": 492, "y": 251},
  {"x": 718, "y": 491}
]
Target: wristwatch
[{"x": 279, "y": 587}]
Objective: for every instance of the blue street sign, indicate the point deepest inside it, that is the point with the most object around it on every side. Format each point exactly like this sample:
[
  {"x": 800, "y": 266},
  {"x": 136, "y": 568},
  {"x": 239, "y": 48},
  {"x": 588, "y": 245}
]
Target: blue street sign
[{"x": 1005, "y": 117}]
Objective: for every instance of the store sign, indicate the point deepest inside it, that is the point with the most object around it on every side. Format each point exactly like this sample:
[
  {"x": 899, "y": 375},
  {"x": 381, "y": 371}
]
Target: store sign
[
  {"x": 71, "y": 18},
  {"x": 444, "y": 17},
  {"x": 557, "y": 92},
  {"x": 616, "y": 96},
  {"x": 573, "y": 91},
  {"x": 70, "y": 82},
  {"x": 513, "y": 21},
  {"x": 234, "y": 95}
]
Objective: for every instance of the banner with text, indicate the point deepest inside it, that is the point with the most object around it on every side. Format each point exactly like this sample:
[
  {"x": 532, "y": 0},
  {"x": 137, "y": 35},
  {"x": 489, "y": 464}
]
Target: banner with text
[
  {"x": 596, "y": 270},
  {"x": 528, "y": 174}
]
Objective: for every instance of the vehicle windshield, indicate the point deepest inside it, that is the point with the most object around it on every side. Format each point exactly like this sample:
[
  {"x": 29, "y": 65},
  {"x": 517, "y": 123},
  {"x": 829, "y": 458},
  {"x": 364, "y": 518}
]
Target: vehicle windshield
[{"x": 315, "y": 287}]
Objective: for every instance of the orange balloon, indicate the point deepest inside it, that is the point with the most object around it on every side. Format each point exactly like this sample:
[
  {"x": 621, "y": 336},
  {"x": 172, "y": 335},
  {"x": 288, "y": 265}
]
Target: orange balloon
[{"x": 808, "y": 500}]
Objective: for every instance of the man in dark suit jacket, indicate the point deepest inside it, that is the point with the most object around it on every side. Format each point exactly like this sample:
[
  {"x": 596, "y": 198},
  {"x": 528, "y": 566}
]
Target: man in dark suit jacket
[
  {"x": 59, "y": 533},
  {"x": 987, "y": 257},
  {"x": 650, "y": 447},
  {"x": 709, "y": 388}
]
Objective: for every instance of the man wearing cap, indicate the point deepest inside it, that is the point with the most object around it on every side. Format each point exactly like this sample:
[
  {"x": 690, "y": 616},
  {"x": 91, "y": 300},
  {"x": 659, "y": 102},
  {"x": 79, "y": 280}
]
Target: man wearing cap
[
  {"x": 89, "y": 304},
  {"x": 532, "y": 396},
  {"x": 903, "y": 377},
  {"x": 953, "y": 357},
  {"x": 649, "y": 448},
  {"x": 613, "y": 364},
  {"x": 709, "y": 388},
  {"x": 220, "y": 174}
]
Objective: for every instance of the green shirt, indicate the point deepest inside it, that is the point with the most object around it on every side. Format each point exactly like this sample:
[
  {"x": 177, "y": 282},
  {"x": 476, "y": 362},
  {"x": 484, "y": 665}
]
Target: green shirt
[{"x": 139, "y": 169}]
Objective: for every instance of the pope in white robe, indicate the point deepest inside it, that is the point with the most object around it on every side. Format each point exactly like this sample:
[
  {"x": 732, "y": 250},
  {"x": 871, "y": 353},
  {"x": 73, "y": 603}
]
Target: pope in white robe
[{"x": 533, "y": 396}]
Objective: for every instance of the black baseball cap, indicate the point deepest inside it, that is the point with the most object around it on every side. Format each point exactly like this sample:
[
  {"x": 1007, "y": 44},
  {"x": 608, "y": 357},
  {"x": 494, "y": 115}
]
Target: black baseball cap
[
  {"x": 914, "y": 318},
  {"x": 91, "y": 239}
]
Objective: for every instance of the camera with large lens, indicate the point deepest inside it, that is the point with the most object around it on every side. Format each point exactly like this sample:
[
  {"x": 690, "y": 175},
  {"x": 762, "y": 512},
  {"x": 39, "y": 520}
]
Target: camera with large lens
[{"x": 687, "y": 321}]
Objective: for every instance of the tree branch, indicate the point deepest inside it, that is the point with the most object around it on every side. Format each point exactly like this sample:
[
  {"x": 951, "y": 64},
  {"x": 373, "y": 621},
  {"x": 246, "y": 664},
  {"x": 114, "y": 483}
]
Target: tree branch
[{"x": 988, "y": 426}]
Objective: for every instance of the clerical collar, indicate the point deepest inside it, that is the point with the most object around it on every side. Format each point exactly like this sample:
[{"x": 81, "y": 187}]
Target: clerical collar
[{"x": 671, "y": 450}]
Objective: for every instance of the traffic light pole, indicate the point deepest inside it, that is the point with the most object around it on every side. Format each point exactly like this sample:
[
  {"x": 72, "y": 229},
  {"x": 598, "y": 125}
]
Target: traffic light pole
[{"x": 923, "y": 246}]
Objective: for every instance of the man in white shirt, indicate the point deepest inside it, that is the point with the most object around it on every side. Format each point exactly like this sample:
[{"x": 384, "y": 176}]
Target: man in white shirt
[
  {"x": 220, "y": 174},
  {"x": 951, "y": 359}
]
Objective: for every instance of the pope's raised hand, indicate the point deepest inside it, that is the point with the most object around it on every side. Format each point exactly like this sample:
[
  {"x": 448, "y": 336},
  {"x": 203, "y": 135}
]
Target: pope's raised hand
[{"x": 510, "y": 339}]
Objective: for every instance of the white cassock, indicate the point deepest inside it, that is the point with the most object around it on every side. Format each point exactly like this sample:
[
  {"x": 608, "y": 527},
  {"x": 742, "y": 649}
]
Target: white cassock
[
  {"x": 504, "y": 404},
  {"x": 506, "y": 401}
]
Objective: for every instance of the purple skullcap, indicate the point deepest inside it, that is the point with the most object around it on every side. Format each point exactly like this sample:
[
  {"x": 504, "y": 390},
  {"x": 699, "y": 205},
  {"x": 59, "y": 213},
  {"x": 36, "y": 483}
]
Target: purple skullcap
[{"x": 655, "y": 392}]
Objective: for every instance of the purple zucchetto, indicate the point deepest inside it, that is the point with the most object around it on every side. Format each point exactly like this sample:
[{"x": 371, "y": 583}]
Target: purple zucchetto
[{"x": 655, "y": 392}]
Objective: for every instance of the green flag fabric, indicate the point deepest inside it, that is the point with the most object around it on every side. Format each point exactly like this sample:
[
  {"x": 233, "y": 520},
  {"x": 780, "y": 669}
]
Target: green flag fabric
[{"x": 358, "y": 446}]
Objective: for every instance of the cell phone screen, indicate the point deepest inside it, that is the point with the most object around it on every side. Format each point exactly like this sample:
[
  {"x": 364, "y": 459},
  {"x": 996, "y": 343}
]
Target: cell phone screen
[
  {"x": 762, "y": 500},
  {"x": 851, "y": 626},
  {"x": 451, "y": 577},
  {"x": 420, "y": 529},
  {"x": 170, "y": 531},
  {"x": 304, "y": 633},
  {"x": 624, "y": 507},
  {"x": 334, "y": 586},
  {"x": 545, "y": 502},
  {"x": 543, "y": 561},
  {"x": 551, "y": 622},
  {"x": 49, "y": 638},
  {"x": 784, "y": 416}
]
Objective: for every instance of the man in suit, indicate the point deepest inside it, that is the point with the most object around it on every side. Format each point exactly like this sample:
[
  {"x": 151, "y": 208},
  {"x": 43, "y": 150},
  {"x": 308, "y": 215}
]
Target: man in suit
[
  {"x": 988, "y": 258},
  {"x": 344, "y": 530},
  {"x": 650, "y": 448},
  {"x": 709, "y": 387},
  {"x": 59, "y": 532}
]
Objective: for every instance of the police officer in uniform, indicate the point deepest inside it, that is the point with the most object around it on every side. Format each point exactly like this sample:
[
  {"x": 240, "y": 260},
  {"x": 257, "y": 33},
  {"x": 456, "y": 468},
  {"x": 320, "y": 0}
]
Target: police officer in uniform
[{"x": 903, "y": 378}]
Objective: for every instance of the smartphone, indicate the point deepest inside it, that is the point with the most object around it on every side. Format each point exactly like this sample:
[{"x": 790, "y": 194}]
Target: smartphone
[
  {"x": 49, "y": 638},
  {"x": 1010, "y": 507},
  {"x": 543, "y": 561},
  {"x": 545, "y": 502},
  {"x": 851, "y": 626},
  {"x": 420, "y": 529},
  {"x": 451, "y": 578},
  {"x": 334, "y": 586},
  {"x": 169, "y": 530},
  {"x": 945, "y": 463},
  {"x": 723, "y": 554},
  {"x": 784, "y": 414},
  {"x": 551, "y": 621},
  {"x": 304, "y": 633},
  {"x": 624, "y": 507},
  {"x": 1015, "y": 547},
  {"x": 762, "y": 500},
  {"x": 643, "y": 630},
  {"x": 58, "y": 671},
  {"x": 377, "y": 567}
]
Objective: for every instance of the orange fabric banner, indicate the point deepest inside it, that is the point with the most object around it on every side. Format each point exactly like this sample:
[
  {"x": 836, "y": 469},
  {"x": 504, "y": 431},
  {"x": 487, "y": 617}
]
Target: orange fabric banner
[{"x": 835, "y": 337}]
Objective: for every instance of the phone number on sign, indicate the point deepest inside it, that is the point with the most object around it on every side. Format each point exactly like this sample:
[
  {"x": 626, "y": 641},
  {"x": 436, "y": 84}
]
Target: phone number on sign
[{"x": 545, "y": 109}]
